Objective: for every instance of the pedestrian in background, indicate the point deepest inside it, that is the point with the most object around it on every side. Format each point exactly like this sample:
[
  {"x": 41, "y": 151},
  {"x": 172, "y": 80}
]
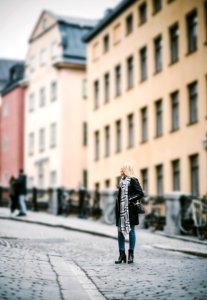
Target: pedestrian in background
[
  {"x": 22, "y": 190},
  {"x": 126, "y": 211},
  {"x": 13, "y": 194}
]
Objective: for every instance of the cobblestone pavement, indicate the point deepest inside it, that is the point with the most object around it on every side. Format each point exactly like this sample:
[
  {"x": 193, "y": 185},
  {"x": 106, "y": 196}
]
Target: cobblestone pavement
[{"x": 35, "y": 261}]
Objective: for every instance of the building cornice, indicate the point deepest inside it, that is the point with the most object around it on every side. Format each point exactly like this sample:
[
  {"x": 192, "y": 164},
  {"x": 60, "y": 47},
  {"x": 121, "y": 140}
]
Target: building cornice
[{"x": 108, "y": 19}]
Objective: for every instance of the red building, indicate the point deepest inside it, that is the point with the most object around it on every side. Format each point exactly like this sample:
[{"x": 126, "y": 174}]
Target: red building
[{"x": 12, "y": 125}]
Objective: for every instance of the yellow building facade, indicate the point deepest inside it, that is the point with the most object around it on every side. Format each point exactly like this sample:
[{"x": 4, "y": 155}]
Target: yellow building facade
[{"x": 147, "y": 95}]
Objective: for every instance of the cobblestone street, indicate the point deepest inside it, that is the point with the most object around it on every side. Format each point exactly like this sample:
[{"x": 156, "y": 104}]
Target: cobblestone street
[{"x": 39, "y": 262}]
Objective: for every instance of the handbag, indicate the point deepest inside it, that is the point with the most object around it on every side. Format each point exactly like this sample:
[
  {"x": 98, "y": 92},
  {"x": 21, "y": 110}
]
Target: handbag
[{"x": 140, "y": 206}]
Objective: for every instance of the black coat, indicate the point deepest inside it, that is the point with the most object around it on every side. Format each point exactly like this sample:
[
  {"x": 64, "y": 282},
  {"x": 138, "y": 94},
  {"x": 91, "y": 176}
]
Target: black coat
[{"x": 134, "y": 188}]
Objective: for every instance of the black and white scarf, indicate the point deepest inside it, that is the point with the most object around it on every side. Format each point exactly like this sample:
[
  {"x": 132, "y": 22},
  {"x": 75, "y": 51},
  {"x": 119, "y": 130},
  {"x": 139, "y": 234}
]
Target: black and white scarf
[{"x": 124, "y": 212}]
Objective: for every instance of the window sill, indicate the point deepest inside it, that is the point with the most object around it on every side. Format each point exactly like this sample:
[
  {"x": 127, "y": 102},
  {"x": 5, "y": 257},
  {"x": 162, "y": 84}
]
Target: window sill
[
  {"x": 158, "y": 136},
  {"x": 143, "y": 142},
  {"x": 173, "y": 62},
  {"x": 129, "y": 88},
  {"x": 157, "y": 72},
  {"x": 174, "y": 130},
  {"x": 155, "y": 12},
  {"x": 191, "y": 52},
  {"x": 142, "y": 23},
  {"x": 53, "y": 146},
  {"x": 192, "y": 123},
  {"x": 143, "y": 80}
]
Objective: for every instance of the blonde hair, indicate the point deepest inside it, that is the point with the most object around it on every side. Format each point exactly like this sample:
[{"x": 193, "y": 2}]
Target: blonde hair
[{"x": 128, "y": 169}]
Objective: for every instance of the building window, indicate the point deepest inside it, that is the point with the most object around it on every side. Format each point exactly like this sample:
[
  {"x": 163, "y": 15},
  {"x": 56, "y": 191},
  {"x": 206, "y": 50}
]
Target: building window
[
  {"x": 96, "y": 93},
  {"x": 192, "y": 31},
  {"x": 5, "y": 144},
  {"x": 41, "y": 139},
  {"x": 53, "y": 50},
  {"x": 117, "y": 33},
  {"x": 129, "y": 24},
  {"x": 174, "y": 43},
  {"x": 142, "y": 13},
  {"x": 95, "y": 51},
  {"x": 31, "y": 144},
  {"x": 42, "y": 57},
  {"x": 85, "y": 178},
  {"x": 53, "y": 179},
  {"x": 130, "y": 72},
  {"x": 118, "y": 80},
  {"x": 144, "y": 125},
  {"x": 106, "y": 87},
  {"x": 118, "y": 136},
  {"x": 97, "y": 145},
  {"x": 42, "y": 97},
  {"x": 31, "y": 104},
  {"x": 84, "y": 88},
  {"x": 53, "y": 91},
  {"x": 159, "y": 176},
  {"x": 106, "y": 43},
  {"x": 5, "y": 109},
  {"x": 107, "y": 183},
  {"x": 175, "y": 110},
  {"x": 157, "y": 5},
  {"x": 158, "y": 108},
  {"x": 194, "y": 174},
  {"x": 158, "y": 54},
  {"x": 144, "y": 176},
  {"x": 32, "y": 64},
  {"x": 143, "y": 63},
  {"x": 85, "y": 134},
  {"x": 107, "y": 141},
  {"x": 130, "y": 130},
  {"x": 176, "y": 174},
  {"x": 53, "y": 135},
  {"x": 41, "y": 177},
  {"x": 193, "y": 102}
]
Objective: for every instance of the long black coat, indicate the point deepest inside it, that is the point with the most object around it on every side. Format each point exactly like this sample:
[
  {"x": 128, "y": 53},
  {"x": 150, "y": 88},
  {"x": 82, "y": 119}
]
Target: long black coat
[{"x": 134, "y": 188}]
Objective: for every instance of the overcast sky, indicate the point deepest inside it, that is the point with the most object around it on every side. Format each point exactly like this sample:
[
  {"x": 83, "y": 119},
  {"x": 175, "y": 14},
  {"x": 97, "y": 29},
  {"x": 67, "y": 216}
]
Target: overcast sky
[{"x": 18, "y": 18}]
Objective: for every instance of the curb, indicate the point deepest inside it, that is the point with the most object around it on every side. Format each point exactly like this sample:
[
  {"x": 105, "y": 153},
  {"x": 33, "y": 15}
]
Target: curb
[
  {"x": 61, "y": 226},
  {"x": 189, "y": 252}
]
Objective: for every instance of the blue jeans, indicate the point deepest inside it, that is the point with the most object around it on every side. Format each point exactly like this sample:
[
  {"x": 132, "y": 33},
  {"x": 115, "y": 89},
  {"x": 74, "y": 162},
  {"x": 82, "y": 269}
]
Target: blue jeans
[
  {"x": 132, "y": 239},
  {"x": 22, "y": 204}
]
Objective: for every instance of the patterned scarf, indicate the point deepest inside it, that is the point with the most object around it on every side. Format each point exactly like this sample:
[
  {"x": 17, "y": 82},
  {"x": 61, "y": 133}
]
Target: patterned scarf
[{"x": 124, "y": 212}]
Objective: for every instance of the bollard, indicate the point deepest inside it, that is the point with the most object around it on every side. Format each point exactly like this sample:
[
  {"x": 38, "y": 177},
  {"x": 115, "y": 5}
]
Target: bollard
[
  {"x": 173, "y": 213},
  {"x": 109, "y": 202}
]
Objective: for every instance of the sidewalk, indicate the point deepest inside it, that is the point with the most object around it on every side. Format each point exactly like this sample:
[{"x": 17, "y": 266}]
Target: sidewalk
[{"x": 185, "y": 244}]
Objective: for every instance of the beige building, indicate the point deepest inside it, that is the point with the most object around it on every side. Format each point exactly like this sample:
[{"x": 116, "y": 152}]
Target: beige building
[
  {"x": 55, "y": 104},
  {"x": 147, "y": 78}
]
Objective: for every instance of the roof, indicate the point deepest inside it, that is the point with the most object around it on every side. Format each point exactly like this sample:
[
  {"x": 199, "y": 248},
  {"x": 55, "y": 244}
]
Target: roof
[
  {"x": 16, "y": 74},
  {"x": 82, "y": 22},
  {"x": 72, "y": 30},
  {"x": 5, "y": 65},
  {"x": 109, "y": 17}
]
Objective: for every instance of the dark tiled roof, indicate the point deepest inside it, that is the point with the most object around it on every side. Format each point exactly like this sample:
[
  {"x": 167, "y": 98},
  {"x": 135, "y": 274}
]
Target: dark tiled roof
[
  {"x": 109, "y": 17},
  {"x": 72, "y": 31},
  {"x": 5, "y": 65},
  {"x": 16, "y": 74}
]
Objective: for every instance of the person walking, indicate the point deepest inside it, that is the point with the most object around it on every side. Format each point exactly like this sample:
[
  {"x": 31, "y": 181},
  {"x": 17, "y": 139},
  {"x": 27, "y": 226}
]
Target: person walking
[
  {"x": 13, "y": 194},
  {"x": 22, "y": 190},
  {"x": 126, "y": 211}
]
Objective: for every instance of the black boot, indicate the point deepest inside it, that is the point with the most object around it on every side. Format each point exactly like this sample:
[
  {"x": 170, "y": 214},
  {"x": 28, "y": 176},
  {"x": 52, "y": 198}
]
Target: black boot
[
  {"x": 131, "y": 257},
  {"x": 122, "y": 257}
]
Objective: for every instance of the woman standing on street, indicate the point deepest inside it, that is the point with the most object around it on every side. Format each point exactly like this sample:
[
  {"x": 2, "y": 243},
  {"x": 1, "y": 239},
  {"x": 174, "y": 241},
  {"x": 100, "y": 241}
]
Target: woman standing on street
[{"x": 126, "y": 211}]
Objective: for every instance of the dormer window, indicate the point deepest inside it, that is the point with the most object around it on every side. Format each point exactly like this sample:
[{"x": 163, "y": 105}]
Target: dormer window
[{"x": 44, "y": 24}]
